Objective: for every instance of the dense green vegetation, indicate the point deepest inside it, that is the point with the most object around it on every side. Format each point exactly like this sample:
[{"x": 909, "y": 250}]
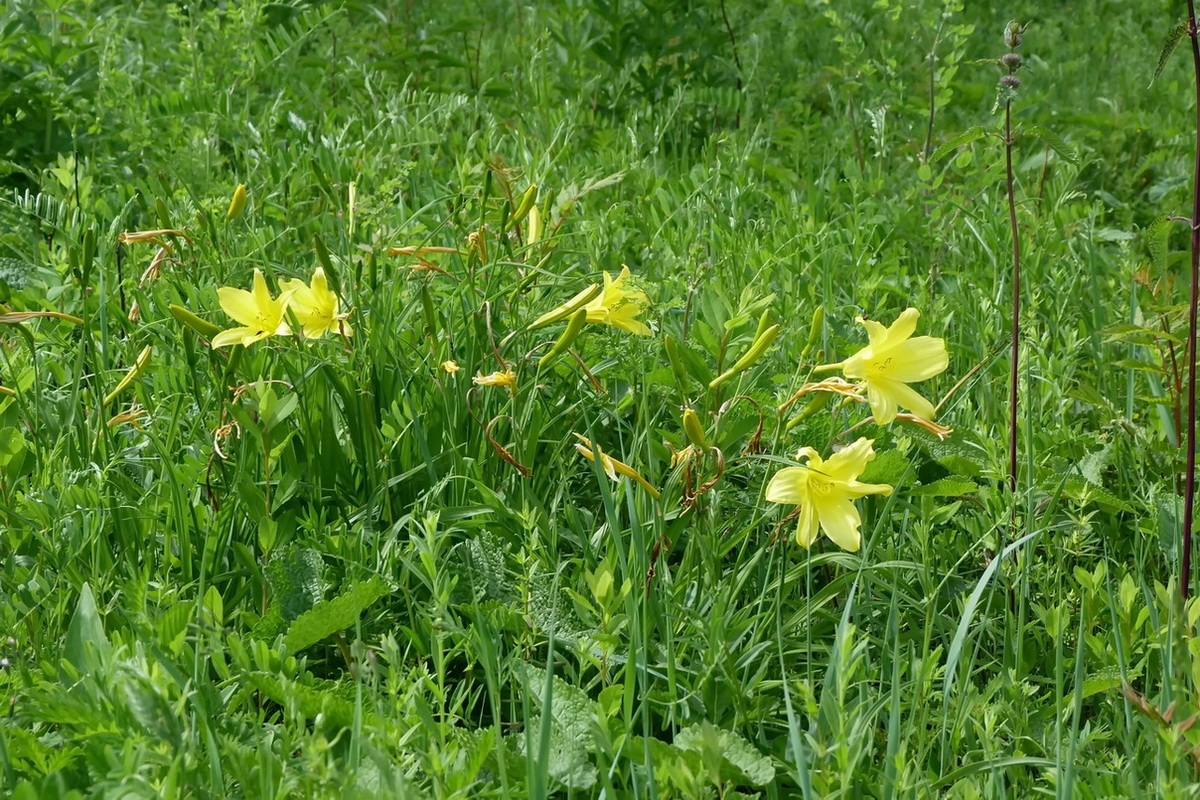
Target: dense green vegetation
[{"x": 336, "y": 567}]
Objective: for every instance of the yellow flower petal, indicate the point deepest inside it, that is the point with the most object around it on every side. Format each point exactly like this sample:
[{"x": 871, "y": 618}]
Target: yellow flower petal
[
  {"x": 841, "y": 522},
  {"x": 893, "y": 359},
  {"x": 849, "y": 462},
  {"x": 239, "y": 304},
  {"x": 808, "y": 527},
  {"x": 825, "y": 490},
  {"x": 789, "y": 485}
]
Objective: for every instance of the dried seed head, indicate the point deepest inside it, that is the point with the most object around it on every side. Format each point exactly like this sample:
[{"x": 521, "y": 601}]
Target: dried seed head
[
  {"x": 1011, "y": 60},
  {"x": 1010, "y": 81}
]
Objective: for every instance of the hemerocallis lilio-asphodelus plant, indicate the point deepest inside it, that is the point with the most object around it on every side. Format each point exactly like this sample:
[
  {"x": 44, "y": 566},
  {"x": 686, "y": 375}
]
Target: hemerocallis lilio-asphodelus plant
[
  {"x": 615, "y": 304},
  {"x": 892, "y": 360},
  {"x": 316, "y": 306},
  {"x": 260, "y": 314},
  {"x": 825, "y": 490},
  {"x": 613, "y": 468}
]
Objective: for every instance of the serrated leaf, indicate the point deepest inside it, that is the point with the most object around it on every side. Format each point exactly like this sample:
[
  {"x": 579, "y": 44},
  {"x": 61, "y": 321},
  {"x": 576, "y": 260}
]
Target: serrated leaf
[
  {"x": 1136, "y": 334},
  {"x": 483, "y": 567},
  {"x": 310, "y": 701},
  {"x": 571, "y": 716},
  {"x": 1081, "y": 491},
  {"x": 330, "y": 617},
  {"x": 751, "y": 765},
  {"x": 887, "y": 467},
  {"x": 1108, "y": 678},
  {"x": 1057, "y": 145},
  {"x": 1156, "y": 236},
  {"x": 954, "y": 453},
  {"x": 955, "y": 142},
  {"x": 16, "y": 273},
  {"x": 297, "y": 581},
  {"x": 946, "y": 487},
  {"x": 1173, "y": 37},
  {"x": 1092, "y": 465}
]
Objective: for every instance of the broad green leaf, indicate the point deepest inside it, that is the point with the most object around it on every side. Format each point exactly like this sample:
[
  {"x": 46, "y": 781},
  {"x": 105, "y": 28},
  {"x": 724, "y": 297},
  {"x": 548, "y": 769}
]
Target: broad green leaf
[
  {"x": 751, "y": 765},
  {"x": 86, "y": 645},
  {"x": 955, "y": 142},
  {"x": 946, "y": 487},
  {"x": 330, "y": 617}
]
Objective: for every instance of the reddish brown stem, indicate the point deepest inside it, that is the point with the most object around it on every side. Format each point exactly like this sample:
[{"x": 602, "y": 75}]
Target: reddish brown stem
[
  {"x": 1189, "y": 499},
  {"x": 1016, "y": 301}
]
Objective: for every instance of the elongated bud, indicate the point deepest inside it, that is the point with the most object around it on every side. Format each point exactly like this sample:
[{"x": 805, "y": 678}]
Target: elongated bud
[
  {"x": 578, "y": 320},
  {"x": 681, "y": 376},
  {"x": 819, "y": 401},
  {"x": 431, "y": 318},
  {"x": 138, "y": 366},
  {"x": 187, "y": 318},
  {"x": 814, "y": 330},
  {"x": 756, "y": 351},
  {"x": 535, "y": 225},
  {"x": 764, "y": 322},
  {"x": 238, "y": 204},
  {"x": 523, "y": 209},
  {"x": 693, "y": 429},
  {"x": 568, "y": 308}
]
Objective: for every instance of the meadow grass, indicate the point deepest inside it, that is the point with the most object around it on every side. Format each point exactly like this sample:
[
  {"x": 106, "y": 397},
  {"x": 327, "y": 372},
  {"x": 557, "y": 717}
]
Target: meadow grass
[{"x": 336, "y": 568}]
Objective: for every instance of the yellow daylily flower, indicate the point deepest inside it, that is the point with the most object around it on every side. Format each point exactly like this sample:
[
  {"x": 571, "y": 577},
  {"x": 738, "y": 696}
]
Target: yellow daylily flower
[
  {"x": 316, "y": 307},
  {"x": 612, "y": 467},
  {"x": 260, "y": 314},
  {"x": 617, "y": 305},
  {"x": 891, "y": 361},
  {"x": 825, "y": 490},
  {"x": 504, "y": 377}
]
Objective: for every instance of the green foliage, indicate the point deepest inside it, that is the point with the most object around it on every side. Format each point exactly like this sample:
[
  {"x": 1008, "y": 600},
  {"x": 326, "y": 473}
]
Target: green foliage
[
  {"x": 328, "y": 617},
  {"x": 338, "y": 568}
]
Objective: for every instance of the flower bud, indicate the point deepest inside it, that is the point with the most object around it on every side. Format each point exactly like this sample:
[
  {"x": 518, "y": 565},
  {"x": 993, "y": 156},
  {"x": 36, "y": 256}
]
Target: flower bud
[
  {"x": 238, "y": 203},
  {"x": 694, "y": 429},
  {"x": 1011, "y": 60},
  {"x": 1012, "y": 35},
  {"x": 574, "y": 327},
  {"x": 1010, "y": 81}
]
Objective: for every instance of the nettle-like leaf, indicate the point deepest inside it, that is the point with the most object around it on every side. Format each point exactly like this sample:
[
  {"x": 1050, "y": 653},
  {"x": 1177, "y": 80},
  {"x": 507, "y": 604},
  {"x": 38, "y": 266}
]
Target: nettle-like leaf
[
  {"x": 949, "y": 486},
  {"x": 1059, "y": 146},
  {"x": 329, "y": 617},
  {"x": 1157, "y": 236},
  {"x": 1170, "y": 42},
  {"x": 740, "y": 761},
  {"x": 297, "y": 581},
  {"x": 485, "y": 573},
  {"x": 955, "y": 142},
  {"x": 888, "y": 467},
  {"x": 552, "y": 608},
  {"x": 16, "y": 274},
  {"x": 571, "y": 714}
]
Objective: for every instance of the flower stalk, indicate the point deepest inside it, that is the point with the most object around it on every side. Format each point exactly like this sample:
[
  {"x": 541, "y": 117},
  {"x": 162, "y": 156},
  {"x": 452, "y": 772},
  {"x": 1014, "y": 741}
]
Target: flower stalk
[
  {"x": 1009, "y": 84},
  {"x": 1189, "y": 500}
]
